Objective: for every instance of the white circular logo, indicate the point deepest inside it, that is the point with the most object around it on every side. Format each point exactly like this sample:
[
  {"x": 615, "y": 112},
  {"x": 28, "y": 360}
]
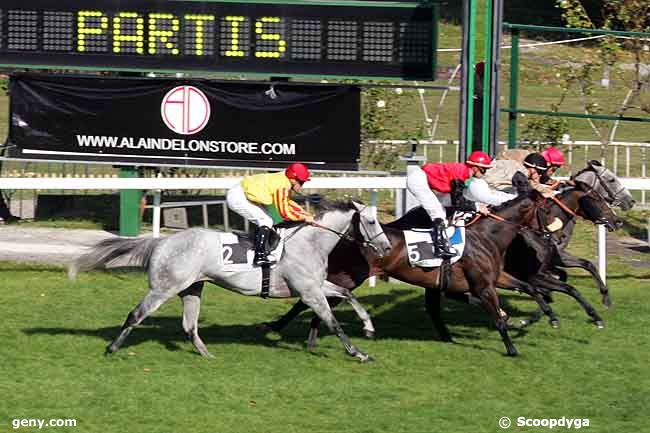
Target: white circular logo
[{"x": 185, "y": 110}]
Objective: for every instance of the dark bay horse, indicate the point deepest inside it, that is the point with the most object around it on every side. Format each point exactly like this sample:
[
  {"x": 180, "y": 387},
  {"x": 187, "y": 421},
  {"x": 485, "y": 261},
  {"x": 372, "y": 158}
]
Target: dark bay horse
[
  {"x": 535, "y": 260},
  {"x": 354, "y": 269},
  {"x": 479, "y": 272}
]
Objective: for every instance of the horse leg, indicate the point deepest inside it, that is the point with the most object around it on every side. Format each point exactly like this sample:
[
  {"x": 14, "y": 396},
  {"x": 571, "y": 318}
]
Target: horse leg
[
  {"x": 191, "y": 307},
  {"x": 567, "y": 260},
  {"x": 432, "y": 304},
  {"x": 333, "y": 290},
  {"x": 508, "y": 282},
  {"x": 283, "y": 321},
  {"x": 318, "y": 303},
  {"x": 490, "y": 301},
  {"x": 151, "y": 302},
  {"x": 551, "y": 283}
]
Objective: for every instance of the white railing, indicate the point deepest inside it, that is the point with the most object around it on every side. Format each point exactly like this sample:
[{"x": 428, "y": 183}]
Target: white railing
[{"x": 158, "y": 184}]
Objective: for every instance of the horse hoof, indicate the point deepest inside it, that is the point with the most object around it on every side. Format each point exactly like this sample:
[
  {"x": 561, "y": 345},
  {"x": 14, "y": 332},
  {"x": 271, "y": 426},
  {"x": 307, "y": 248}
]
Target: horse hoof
[
  {"x": 513, "y": 352},
  {"x": 364, "y": 358},
  {"x": 110, "y": 350},
  {"x": 555, "y": 324},
  {"x": 600, "y": 324},
  {"x": 607, "y": 302},
  {"x": 369, "y": 334},
  {"x": 524, "y": 322}
]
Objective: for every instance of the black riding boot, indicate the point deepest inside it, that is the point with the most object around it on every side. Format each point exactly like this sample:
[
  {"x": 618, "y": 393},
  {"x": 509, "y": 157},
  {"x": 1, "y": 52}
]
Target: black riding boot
[
  {"x": 261, "y": 246},
  {"x": 441, "y": 247}
]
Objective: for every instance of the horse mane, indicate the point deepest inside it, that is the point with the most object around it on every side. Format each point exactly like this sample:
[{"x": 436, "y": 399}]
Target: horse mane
[
  {"x": 344, "y": 205},
  {"x": 414, "y": 218},
  {"x": 505, "y": 205}
]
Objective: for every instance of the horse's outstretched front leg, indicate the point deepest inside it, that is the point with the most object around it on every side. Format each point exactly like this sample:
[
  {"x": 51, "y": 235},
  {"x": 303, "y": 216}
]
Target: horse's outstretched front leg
[
  {"x": 337, "y": 292},
  {"x": 283, "y": 321},
  {"x": 317, "y": 301},
  {"x": 555, "y": 285},
  {"x": 191, "y": 308},
  {"x": 508, "y": 282},
  {"x": 567, "y": 260}
]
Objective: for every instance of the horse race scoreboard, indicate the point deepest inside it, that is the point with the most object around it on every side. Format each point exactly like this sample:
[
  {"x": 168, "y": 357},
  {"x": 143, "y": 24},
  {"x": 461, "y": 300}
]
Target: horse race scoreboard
[{"x": 290, "y": 37}]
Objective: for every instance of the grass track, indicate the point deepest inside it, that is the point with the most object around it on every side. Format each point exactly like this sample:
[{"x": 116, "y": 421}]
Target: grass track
[{"x": 55, "y": 332}]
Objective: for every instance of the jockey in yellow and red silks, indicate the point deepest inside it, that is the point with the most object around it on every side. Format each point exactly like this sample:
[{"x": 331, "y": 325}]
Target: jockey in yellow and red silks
[{"x": 265, "y": 199}]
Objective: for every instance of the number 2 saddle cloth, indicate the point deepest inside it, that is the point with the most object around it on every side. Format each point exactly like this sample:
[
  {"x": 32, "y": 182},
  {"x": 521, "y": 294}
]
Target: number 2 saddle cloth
[
  {"x": 237, "y": 250},
  {"x": 420, "y": 246}
]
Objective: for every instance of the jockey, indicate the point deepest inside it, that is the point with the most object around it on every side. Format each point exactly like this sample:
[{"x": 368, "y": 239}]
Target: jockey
[
  {"x": 264, "y": 199},
  {"x": 538, "y": 174},
  {"x": 554, "y": 159},
  {"x": 433, "y": 182}
]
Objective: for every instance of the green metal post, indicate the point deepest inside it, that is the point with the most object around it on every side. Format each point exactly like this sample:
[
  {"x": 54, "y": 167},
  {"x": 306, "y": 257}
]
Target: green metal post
[
  {"x": 469, "y": 80},
  {"x": 129, "y": 206},
  {"x": 487, "y": 78},
  {"x": 514, "y": 89}
]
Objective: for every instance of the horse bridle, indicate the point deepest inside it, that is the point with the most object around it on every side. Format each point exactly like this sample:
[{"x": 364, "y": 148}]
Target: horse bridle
[
  {"x": 598, "y": 178},
  {"x": 367, "y": 243}
]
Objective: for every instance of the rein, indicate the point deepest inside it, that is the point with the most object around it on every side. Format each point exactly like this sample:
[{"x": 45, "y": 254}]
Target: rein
[
  {"x": 564, "y": 207},
  {"x": 345, "y": 236},
  {"x": 365, "y": 243}
]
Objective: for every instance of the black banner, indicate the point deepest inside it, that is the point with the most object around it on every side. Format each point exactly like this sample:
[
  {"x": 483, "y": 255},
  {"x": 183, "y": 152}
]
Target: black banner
[{"x": 183, "y": 122}]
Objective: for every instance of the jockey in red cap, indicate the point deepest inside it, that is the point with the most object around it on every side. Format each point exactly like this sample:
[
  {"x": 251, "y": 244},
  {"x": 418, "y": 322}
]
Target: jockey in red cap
[
  {"x": 264, "y": 199},
  {"x": 432, "y": 184},
  {"x": 554, "y": 159}
]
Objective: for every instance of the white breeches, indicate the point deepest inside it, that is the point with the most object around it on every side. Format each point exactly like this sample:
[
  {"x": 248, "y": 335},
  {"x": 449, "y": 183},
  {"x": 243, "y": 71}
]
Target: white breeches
[
  {"x": 417, "y": 184},
  {"x": 237, "y": 201}
]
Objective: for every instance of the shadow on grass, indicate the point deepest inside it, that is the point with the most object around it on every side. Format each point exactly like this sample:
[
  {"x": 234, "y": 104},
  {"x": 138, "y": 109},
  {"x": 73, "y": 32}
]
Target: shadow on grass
[{"x": 401, "y": 320}]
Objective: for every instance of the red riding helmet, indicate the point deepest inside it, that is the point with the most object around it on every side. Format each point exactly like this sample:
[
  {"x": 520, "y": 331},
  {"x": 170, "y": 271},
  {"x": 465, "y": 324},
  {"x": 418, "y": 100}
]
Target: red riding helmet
[
  {"x": 297, "y": 171},
  {"x": 554, "y": 156},
  {"x": 479, "y": 159}
]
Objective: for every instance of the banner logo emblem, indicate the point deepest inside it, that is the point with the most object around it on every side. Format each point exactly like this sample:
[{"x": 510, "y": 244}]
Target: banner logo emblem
[{"x": 185, "y": 110}]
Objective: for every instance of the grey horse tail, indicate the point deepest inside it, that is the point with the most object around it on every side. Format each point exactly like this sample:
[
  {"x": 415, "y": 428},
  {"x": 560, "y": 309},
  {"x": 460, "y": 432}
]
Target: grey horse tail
[{"x": 139, "y": 251}]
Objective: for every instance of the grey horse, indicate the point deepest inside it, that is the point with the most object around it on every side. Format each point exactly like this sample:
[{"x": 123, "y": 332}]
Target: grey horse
[
  {"x": 176, "y": 262},
  {"x": 604, "y": 182}
]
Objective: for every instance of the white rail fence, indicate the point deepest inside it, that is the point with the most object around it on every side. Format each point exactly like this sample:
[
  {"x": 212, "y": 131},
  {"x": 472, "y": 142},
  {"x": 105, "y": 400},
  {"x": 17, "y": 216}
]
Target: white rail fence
[{"x": 397, "y": 183}]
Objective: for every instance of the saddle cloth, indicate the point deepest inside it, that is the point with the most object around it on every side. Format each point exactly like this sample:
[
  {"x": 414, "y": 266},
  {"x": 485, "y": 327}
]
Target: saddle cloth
[
  {"x": 419, "y": 245},
  {"x": 237, "y": 251}
]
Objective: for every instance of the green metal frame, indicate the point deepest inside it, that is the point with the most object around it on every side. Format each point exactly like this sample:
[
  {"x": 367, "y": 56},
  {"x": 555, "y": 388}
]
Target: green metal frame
[{"x": 513, "y": 110}]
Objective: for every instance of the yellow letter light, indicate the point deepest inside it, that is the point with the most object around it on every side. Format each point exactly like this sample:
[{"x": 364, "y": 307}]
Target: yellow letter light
[
  {"x": 272, "y": 41},
  {"x": 84, "y": 30},
  {"x": 163, "y": 34},
  {"x": 134, "y": 38},
  {"x": 200, "y": 41}
]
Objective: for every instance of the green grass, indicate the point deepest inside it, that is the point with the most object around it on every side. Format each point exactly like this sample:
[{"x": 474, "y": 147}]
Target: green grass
[{"x": 55, "y": 332}]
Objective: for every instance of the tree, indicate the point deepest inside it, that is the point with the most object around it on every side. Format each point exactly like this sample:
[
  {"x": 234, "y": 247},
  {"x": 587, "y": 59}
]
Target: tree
[{"x": 611, "y": 54}]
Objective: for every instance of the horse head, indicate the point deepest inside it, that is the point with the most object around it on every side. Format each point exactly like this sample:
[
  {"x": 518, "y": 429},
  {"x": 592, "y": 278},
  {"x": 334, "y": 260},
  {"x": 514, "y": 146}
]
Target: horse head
[
  {"x": 605, "y": 183},
  {"x": 595, "y": 208},
  {"x": 367, "y": 230}
]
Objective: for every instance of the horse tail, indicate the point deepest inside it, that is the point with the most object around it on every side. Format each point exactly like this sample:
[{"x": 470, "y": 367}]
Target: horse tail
[{"x": 104, "y": 252}]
